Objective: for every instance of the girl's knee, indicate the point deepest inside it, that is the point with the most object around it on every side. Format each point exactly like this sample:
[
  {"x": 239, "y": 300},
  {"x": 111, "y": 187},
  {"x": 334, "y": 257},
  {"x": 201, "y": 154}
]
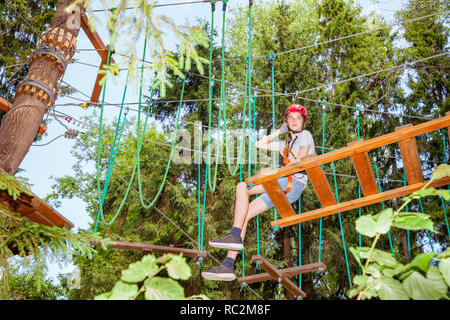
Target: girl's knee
[{"x": 241, "y": 187}]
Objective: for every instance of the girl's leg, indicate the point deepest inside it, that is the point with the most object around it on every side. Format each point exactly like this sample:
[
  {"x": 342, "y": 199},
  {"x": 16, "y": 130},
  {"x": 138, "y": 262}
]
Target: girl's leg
[
  {"x": 255, "y": 208},
  {"x": 242, "y": 202}
]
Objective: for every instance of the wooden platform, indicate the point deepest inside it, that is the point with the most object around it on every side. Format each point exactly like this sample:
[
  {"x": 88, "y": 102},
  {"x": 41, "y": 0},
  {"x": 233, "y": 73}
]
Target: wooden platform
[
  {"x": 405, "y": 136},
  {"x": 282, "y": 276},
  {"x": 35, "y": 209},
  {"x": 147, "y": 248}
]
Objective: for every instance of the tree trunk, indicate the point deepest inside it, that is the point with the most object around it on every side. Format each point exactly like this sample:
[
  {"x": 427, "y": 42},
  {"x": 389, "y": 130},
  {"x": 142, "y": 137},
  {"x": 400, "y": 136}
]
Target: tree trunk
[{"x": 33, "y": 97}]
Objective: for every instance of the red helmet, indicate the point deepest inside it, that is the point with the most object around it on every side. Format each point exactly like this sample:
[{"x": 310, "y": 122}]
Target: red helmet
[{"x": 297, "y": 108}]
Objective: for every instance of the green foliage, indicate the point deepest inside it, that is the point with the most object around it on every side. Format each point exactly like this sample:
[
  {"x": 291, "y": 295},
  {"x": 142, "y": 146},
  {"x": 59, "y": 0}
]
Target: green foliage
[
  {"x": 140, "y": 280},
  {"x": 386, "y": 278},
  {"x": 276, "y": 27},
  {"x": 22, "y": 286},
  {"x": 142, "y": 21},
  {"x": 14, "y": 185},
  {"x": 41, "y": 243}
]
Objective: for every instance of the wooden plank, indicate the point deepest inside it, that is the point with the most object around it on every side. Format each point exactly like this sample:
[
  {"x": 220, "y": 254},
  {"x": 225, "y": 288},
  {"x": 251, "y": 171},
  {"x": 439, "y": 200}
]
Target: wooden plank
[
  {"x": 288, "y": 272},
  {"x": 35, "y": 209},
  {"x": 357, "y": 203},
  {"x": 97, "y": 87},
  {"x": 448, "y": 128},
  {"x": 278, "y": 198},
  {"x": 320, "y": 183},
  {"x": 4, "y": 105},
  {"x": 92, "y": 35},
  {"x": 152, "y": 248},
  {"x": 363, "y": 168},
  {"x": 275, "y": 273},
  {"x": 393, "y": 137},
  {"x": 411, "y": 160}
]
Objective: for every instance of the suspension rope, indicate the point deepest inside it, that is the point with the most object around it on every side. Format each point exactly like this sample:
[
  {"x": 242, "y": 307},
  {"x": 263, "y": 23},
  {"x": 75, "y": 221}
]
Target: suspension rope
[
  {"x": 210, "y": 90},
  {"x": 342, "y": 229},
  {"x": 382, "y": 202}
]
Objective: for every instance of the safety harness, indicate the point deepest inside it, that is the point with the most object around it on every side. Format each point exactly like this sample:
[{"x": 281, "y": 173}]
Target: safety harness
[{"x": 286, "y": 161}]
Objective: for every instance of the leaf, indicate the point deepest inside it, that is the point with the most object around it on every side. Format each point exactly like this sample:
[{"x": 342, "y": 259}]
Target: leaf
[
  {"x": 444, "y": 268},
  {"x": 422, "y": 262},
  {"x": 158, "y": 288},
  {"x": 123, "y": 291},
  {"x": 444, "y": 194},
  {"x": 360, "y": 283},
  {"x": 391, "y": 289},
  {"x": 371, "y": 225},
  {"x": 422, "y": 193},
  {"x": 178, "y": 268},
  {"x": 374, "y": 271},
  {"x": 140, "y": 270},
  {"x": 443, "y": 170},
  {"x": 432, "y": 287},
  {"x": 413, "y": 221},
  {"x": 103, "y": 296}
]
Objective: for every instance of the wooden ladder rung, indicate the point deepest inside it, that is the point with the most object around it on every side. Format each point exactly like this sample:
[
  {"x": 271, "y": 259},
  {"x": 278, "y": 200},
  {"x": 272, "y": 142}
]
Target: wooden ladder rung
[
  {"x": 363, "y": 168},
  {"x": 410, "y": 156},
  {"x": 321, "y": 185},
  {"x": 357, "y": 203},
  {"x": 278, "y": 198}
]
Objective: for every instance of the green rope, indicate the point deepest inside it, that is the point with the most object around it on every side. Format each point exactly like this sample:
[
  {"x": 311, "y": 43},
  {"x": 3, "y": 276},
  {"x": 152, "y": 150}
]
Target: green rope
[
  {"x": 274, "y": 153},
  {"x": 98, "y": 153},
  {"x": 249, "y": 101},
  {"x": 382, "y": 203},
  {"x": 342, "y": 230},
  {"x": 211, "y": 85},
  {"x": 112, "y": 157},
  {"x": 428, "y": 234},
  {"x": 323, "y": 151},
  {"x": 199, "y": 184},
  {"x": 170, "y": 156},
  {"x": 442, "y": 200},
  {"x": 406, "y": 207},
  {"x": 223, "y": 104},
  {"x": 211, "y": 88},
  {"x": 359, "y": 188}
]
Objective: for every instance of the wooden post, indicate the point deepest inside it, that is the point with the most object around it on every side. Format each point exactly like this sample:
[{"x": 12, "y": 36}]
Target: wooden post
[{"x": 35, "y": 93}]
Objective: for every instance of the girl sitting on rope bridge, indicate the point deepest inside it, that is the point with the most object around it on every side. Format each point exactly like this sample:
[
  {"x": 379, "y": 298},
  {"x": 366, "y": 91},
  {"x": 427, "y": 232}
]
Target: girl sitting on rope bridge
[{"x": 301, "y": 143}]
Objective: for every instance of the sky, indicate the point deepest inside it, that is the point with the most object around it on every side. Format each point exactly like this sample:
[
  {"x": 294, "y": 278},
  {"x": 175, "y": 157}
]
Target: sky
[{"x": 55, "y": 159}]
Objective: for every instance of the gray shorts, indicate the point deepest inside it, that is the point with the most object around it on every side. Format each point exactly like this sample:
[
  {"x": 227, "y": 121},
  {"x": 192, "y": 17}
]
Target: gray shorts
[{"x": 292, "y": 196}]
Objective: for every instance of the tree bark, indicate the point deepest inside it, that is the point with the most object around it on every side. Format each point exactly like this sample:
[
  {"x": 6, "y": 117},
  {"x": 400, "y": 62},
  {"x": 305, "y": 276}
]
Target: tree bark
[{"x": 19, "y": 128}]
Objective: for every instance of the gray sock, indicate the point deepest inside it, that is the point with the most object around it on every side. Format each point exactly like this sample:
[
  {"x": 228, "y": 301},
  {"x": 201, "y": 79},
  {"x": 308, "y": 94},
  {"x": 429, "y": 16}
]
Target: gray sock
[
  {"x": 236, "y": 232},
  {"x": 229, "y": 262}
]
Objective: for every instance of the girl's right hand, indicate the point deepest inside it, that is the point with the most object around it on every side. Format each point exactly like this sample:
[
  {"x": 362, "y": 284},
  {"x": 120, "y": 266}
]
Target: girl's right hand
[{"x": 283, "y": 128}]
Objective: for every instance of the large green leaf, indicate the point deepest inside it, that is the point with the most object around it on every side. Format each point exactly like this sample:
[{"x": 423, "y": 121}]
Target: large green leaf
[
  {"x": 178, "y": 268},
  {"x": 413, "y": 221},
  {"x": 444, "y": 268},
  {"x": 443, "y": 170},
  {"x": 391, "y": 289},
  {"x": 432, "y": 287},
  {"x": 140, "y": 270},
  {"x": 371, "y": 225},
  {"x": 158, "y": 288},
  {"x": 422, "y": 262},
  {"x": 123, "y": 291}
]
